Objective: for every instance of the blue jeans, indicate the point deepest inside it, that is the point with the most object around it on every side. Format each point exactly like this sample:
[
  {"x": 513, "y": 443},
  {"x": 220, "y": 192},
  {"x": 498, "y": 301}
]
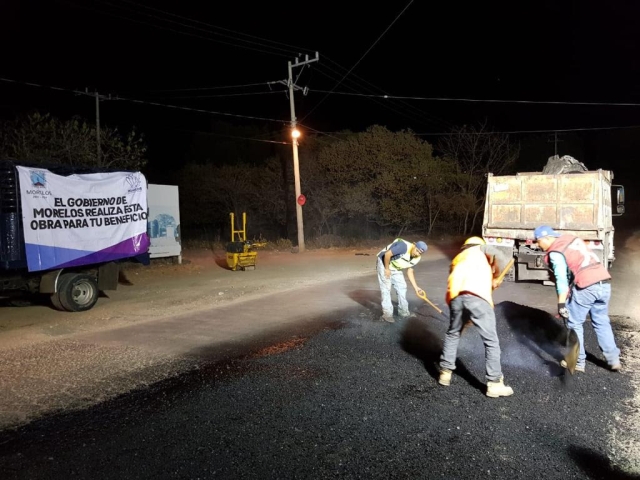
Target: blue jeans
[
  {"x": 399, "y": 284},
  {"x": 482, "y": 315},
  {"x": 593, "y": 300}
]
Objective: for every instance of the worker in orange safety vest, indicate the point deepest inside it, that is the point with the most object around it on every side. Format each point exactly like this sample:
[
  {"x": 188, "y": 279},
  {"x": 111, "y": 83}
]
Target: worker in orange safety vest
[{"x": 470, "y": 286}]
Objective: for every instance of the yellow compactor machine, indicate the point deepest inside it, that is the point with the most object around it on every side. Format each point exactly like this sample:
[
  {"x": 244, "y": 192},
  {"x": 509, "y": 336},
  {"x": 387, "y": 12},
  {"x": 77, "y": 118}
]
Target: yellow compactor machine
[{"x": 240, "y": 252}]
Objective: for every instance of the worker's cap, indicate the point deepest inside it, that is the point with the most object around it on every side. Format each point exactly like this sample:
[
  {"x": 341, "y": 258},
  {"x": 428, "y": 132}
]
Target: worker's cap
[
  {"x": 421, "y": 246},
  {"x": 544, "y": 231}
]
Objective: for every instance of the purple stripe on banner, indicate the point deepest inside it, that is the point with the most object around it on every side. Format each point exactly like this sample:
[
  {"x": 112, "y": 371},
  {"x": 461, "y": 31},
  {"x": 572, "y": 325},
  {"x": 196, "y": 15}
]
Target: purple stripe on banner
[{"x": 128, "y": 248}]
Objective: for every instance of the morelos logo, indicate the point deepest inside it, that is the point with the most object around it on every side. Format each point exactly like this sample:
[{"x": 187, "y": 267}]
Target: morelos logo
[
  {"x": 39, "y": 182},
  {"x": 133, "y": 180},
  {"x": 38, "y": 179}
]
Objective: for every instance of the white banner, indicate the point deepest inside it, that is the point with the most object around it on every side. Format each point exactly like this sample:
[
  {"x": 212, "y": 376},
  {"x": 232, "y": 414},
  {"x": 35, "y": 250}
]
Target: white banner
[
  {"x": 82, "y": 219},
  {"x": 164, "y": 221}
]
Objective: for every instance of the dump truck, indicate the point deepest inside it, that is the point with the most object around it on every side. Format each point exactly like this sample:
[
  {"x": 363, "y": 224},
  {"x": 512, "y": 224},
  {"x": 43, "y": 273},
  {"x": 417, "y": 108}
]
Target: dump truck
[
  {"x": 580, "y": 203},
  {"x": 64, "y": 231}
]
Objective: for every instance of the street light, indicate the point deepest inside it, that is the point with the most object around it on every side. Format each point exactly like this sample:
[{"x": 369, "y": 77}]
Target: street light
[{"x": 295, "y": 133}]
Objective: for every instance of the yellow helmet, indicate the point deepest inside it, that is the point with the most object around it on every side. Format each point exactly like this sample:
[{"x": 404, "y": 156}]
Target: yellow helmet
[{"x": 474, "y": 241}]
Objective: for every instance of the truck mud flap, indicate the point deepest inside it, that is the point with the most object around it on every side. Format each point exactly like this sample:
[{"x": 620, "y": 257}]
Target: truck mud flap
[{"x": 108, "y": 276}]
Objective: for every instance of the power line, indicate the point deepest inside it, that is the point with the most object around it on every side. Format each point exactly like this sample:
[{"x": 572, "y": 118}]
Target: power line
[
  {"x": 145, "y": 102},
  {"x": 358, "y": 62},
  {"x": 433, "y": 119},
  {"x": 409, "y": 115},
  {"x": 559, "y": 130},
  {"x": 228, "y": 136},
  {"x": 180, "y": 31},
  {"x": 189, "y": 26},
  {"x": 292, "y": 48},
  {"x": 478, "y": 100},
  {"x": 211, "y": 88},
  {"x": 228, "y": 95}
]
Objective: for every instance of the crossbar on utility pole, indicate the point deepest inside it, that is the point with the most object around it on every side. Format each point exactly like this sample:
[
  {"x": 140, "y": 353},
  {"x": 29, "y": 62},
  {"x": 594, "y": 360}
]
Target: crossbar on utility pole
[{"x": 296, "y": 165}]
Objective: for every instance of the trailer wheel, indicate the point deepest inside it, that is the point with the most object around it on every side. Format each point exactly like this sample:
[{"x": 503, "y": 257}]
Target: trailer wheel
[{"x": 78, "y": 292}]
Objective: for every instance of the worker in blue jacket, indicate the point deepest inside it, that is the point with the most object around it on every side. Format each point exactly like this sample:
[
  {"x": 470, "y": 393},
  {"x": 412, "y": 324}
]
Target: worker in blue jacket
[{"x": 392, "y": 260}]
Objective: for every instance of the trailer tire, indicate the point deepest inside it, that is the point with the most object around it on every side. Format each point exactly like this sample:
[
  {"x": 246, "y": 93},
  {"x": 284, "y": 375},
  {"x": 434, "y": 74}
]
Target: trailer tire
[{"x": 78, "y": 292}]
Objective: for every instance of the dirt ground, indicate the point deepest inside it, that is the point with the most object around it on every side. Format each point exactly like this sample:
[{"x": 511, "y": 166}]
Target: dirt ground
[{"x": 165, "y": 289}]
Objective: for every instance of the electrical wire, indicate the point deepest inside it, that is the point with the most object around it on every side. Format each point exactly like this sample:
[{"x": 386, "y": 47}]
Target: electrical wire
[
  {"x": 292, "y": 48},
  {"x": 225, "y": 135},
  {"x": 228, "y": 95},
  {"x": 477, "y": 100},
  {"x": 432, "y": 118},
  {"x": 211, "y": 88},
  {"x": 359, "y": 60},
  {"x": 386, "y": 105},
  {"x": 179, "y": 31},
  {"x": 557, "y": 130},
  {"x": 145, "y": 102}
]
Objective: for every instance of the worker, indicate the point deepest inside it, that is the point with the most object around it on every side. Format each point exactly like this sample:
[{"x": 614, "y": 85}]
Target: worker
[
  {"x": 583, "y": 286},
  {"x": 472, "y": 278},
  {"x": 392, "y": 260}
]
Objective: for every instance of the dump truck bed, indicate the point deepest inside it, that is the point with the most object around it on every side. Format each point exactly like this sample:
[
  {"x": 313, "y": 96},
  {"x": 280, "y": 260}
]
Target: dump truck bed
[{"x": 574, "y": 203}]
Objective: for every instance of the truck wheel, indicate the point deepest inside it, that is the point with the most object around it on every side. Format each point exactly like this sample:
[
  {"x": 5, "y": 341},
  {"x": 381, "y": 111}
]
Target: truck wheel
[
  {"x": 55, "y": 301},
  {"x": 78, "y": 292}
]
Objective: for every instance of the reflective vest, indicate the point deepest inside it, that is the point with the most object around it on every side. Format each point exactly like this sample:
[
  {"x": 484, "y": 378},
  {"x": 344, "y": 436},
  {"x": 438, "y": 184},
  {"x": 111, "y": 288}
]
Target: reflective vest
[
  {"x": 401, "y": 261},
  {"x": 471, "y": 273},
  {"x": 581, "y": 260}
]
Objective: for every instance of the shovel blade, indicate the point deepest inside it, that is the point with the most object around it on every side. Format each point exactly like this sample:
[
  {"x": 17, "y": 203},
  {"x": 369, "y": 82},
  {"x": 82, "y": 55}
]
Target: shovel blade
[{"x": 572, "y": 350}]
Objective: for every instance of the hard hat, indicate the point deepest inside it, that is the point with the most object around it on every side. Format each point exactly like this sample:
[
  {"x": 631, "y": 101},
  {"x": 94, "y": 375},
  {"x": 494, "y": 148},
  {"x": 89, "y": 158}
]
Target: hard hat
[{"x": 474, "y": 241}]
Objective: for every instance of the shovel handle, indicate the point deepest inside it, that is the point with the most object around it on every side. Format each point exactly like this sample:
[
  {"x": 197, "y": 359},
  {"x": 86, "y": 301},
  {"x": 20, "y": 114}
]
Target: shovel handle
[
  {"x": 505, "y": 271},
  {"x": 424, "y": 297}
]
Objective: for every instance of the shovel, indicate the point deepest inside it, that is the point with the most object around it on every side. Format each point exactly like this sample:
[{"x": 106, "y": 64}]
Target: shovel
[
  {"x": 504, "y": 272},
  {"x": 572, "y": 346},
  {"x": 424, "y": 297}
]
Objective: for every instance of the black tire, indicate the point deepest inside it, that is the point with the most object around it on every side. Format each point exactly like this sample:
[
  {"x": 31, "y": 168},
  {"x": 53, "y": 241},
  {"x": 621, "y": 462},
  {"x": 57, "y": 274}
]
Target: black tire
[
  {"x": 78, "y": 292},
  {"x": 55, "y": 301}
]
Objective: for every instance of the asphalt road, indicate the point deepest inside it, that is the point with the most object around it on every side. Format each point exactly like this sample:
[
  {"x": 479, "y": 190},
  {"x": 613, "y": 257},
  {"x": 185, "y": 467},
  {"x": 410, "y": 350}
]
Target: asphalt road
[{"x": 357, "y": 399}]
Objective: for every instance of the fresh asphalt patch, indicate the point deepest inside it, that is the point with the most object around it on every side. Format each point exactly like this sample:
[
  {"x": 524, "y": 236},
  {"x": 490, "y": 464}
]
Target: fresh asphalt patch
[{"x": 359, "y": 401}]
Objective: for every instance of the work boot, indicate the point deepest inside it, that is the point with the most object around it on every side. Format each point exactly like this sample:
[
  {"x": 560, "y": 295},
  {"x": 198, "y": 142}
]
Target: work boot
[
  {"x": 579, "y": 368},
  {"x": 616, "y": 367},
  {"x": 445, "y": 377},
  {"x": 404, "y": 313},
  {"x": 498, "y": 389},
  {"x": 387, "y": 318}
]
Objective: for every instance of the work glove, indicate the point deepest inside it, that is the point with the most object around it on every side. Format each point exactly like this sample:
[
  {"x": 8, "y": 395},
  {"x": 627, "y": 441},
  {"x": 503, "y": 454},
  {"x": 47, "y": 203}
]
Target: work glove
[{"x": 562, "y": 311}]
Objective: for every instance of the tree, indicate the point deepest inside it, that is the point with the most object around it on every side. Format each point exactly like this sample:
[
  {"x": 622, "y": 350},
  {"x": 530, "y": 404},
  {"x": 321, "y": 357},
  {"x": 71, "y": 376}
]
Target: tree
[
  {"x": 43, "y": 138},
  {"x": 377, "y": 176},
  {"x": 475, "y": 151}
]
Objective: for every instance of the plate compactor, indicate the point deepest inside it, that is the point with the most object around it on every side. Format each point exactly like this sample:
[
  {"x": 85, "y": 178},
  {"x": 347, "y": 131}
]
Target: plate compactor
[{"x": 240, "y": 252}]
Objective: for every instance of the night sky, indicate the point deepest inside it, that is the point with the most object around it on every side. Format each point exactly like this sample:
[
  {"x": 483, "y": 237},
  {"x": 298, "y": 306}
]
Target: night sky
[{"x": 551, "y": 51}]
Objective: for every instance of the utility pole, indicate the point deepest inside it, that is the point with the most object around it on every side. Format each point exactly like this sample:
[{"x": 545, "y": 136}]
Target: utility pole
[
  {"x": 294, "y": 135},
  {"x": 98, "y": 125},
  {"x": 555, "y": 143},
  {"x": 98, "y": 97}
]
